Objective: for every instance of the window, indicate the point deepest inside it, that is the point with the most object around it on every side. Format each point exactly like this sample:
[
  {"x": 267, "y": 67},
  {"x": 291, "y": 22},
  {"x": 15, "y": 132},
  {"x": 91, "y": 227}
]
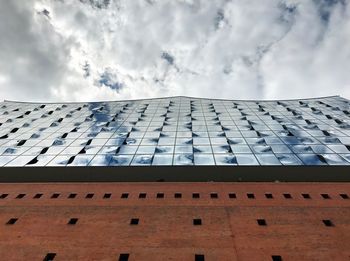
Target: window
[
  {"x": 268, "y": 195},
  {"x": 55, "y": 195},
  {"x": 325, "y": 196},
  {"x": 20, "y": 195},
  {"x": 89, "y": 195},
  {"x": 250, "y": 195},
  {"x": 306, "y": 196},
  {"x": 49, "y": 256},
  {"x": 276, "y": 258},
  {"x": 197, "y": 222},
  {"x": 328, "y": 223},
  {"x": 195, "y": 195},
  {"x": 12, "y": 221},
  {"x": 160, "y": 195},
  {"x": 261, "y": 222},
  {"x": 231, "y": 195},
  {"x": 72, "y": 221},
  {"x": 134, "y": 221},
  {"x": 178, "y": 195},
  {"x": 125, "y": 195},
  {"x": 107, "y": 195},
  {"x": 214, "y": 195},
  {"x": 3, "y": 195},
  {"x": 344, "y": 196},
  {"x": 39, "y": 195},
  {"x": 142, "y": 195},
  {"x": 72, "y": 195},
  {"x": 123, "y": 257},
  {"x": 199, "y": 257},
  {"x": 287, "y": 195}
]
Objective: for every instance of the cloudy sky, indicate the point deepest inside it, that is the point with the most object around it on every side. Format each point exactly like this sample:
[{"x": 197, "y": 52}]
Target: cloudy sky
[{"x": 71, "y": 50}]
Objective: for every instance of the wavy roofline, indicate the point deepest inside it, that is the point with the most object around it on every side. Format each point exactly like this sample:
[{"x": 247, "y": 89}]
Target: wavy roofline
[{"x": 180, "y": 96}]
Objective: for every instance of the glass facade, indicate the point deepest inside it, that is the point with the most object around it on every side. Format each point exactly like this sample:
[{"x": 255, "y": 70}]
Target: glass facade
[{"x": 176, "y": 131}]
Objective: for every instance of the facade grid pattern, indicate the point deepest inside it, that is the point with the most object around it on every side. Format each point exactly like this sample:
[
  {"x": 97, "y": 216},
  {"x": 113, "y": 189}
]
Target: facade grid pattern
[{"x": 176, "y": 131}]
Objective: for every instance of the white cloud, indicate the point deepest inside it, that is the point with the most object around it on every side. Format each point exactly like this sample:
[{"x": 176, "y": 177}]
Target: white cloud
[{"x": 98, "y": 49}]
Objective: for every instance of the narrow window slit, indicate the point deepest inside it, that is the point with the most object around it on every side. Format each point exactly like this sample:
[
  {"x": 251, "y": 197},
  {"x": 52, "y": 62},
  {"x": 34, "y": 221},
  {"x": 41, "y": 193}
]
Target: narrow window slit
[
  {"x": 178, "y": 195},
  {"x": 134, "y": 221},
  {"x": 12, "y": 221},
  {"x": 72, "y": 221},
  {"x": 197, "y": 222},
  {"x": 49, "y": 257}
]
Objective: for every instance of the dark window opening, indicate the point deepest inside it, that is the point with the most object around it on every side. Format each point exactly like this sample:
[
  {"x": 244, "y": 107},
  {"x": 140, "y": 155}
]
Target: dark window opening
[
  {"x": 344, "y": 196},
  {"x": 20, "y": 195},
  {"x": 195, "y": 195},
  {"x": 250, "y": 195},
  {"x": 325, "y": 196},
  {"x": 160, "y": 195},
  {"x": 72, "y": 221},
  {"x": 12, "y": 221},
  {"x": 3, "y": 195},
  {"x": 198, "y": 257},
  {"x": 178, "y": 195},
  {"x": 287, "y": 195},
  {"x": 306, "y": 196},
  {"x": 125, "y": 195},
  {"x": 55, "y": 195},
  {"x": 276, "y": 258},
  {"x": 123, "y": 257},
  {"x": 268, "y": 195},
  {"x": 39, "y": 195},
  {"x": 214, "y": 195},
  {"x": 89, "y": 195},
  {"x": 134, "y": 221},
  {"x": 197, "y": 222},
  {"x": 328, "y": 223},
  {"x": 49, "y": 257},
  {"x": 107, "y": 195},
  {"x": 232, "y": 195},
  {"x": 142, "y": 195},
  {"x": 72, "y": 195},
  {"x": 261, "y": 222}
]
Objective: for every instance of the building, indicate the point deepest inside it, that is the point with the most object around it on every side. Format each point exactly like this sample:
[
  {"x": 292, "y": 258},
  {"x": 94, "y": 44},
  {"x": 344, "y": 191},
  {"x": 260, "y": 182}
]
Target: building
[{"x": 175, "y": 178}]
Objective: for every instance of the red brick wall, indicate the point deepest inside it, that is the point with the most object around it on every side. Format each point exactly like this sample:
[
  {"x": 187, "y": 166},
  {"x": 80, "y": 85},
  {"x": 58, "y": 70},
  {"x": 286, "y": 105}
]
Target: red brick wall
[{"x": 229, "y": 229}]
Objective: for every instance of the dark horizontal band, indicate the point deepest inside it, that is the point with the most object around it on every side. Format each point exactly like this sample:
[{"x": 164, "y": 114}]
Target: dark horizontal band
[{"x": 177, "y": 174}]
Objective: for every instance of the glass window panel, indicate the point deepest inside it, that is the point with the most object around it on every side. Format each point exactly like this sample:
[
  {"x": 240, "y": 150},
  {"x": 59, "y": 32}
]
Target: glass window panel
[
  {"x": 146, "y": 150},
  {"x": 261, "y": 149},
  {"x": 225, "y": 159},
  {"x": 268, "y": 159},
  {"x": 240, "y": 149},
  {"x": 142, "y": 160},
  {"x": 289, "y": 159},
  {"x": 60, "y": 160},
  {"x": 311, "y": 159},
  {"x": 81, "y": 160},
  {"x": 218, "y": 141},
  {"x": 339, "y": 148},
  {"x": 6, "y": 159},
  {"x": 246, "y": 159},
  {"x": 183, "y": 159},
  {"x": 162, "y": 159},
  {"x": 203, "y": 159},
  {"x": 184, "y": 149},
  {"x": 164, "y": 149},
  {"x": 166, "y": 141},
  {"x": 20, "y": 161},
  {"x": 334, "y": 159},
  {"x": 301, "y": 149},
  {"x": 100, "y": 160},
  {"x": 120, "y": 160}
]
